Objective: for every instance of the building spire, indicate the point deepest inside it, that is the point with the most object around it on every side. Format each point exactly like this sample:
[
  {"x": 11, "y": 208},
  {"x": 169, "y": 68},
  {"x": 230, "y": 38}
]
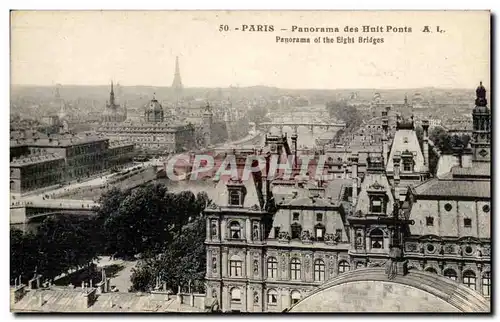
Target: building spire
[
  {"x": 112, "y": 96},
  {"x": 177, "y": 83}
]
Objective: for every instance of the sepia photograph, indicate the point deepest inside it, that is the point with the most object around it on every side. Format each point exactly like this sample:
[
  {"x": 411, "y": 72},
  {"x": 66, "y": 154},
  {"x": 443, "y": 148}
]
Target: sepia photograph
[{"x": 222, "y": 162}]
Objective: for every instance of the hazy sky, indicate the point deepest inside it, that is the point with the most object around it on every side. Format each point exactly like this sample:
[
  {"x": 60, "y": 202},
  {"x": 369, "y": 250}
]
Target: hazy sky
[{"x": 139, "y": 48}]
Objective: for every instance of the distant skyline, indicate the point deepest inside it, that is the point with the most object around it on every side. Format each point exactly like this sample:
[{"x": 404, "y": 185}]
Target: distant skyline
[{"x": 138, "y": 48}]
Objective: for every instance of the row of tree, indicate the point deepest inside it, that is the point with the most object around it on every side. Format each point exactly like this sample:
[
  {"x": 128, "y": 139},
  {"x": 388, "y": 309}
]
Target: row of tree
[
  {"x": 59, "y": 244},
  {"x": 348, "y": 113},
  {"x": 144, "y": 221},
  {"x": 148, "y": 221}
]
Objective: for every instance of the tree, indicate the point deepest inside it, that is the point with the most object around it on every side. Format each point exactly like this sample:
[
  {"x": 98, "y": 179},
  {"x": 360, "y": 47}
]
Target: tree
[
  {"x": 257, "y": 114},
  {"x": 182, "y": 262},
  {"x": 64, "y": 243},
  {"x": 24, "y": 255},
  {"x": 139, "y": 223},
  {"x": 448, "y": 143},
  {"x": 347, "y": 113}
]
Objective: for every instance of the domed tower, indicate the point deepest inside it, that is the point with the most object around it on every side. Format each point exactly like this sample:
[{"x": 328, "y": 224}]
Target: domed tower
[
  {"x": 481, "y": 132},
  {"x": 154, "y": 111}
]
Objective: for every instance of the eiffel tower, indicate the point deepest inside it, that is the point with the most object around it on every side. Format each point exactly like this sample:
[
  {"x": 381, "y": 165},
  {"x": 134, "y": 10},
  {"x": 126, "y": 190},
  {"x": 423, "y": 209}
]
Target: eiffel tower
[{"x": 177, "y": 83}]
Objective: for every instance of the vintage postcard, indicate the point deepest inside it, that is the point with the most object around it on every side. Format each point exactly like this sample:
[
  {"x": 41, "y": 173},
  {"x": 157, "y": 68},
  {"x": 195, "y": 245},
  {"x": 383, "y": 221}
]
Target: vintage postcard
[{"x": 250, "y": 161}]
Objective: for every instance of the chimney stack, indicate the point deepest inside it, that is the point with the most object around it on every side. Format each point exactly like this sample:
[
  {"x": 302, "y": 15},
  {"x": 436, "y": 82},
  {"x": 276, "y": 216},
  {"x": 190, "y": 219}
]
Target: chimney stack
[
  {"x": 467, "y": 157},
  {"x": 396, "y": 160},
  {"x": 294, "y": 144},
  {"x": 425, "y": 127},
  {"x": 354, "y": 160},
  {"x": 19, "y": 292},
  {"x": 385, "y": 137}
]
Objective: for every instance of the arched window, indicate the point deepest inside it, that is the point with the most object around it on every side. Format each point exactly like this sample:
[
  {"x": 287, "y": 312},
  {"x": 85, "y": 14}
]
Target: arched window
[
  {"x": 235, "y": 294},
  {"x": 319, "y": 270},
  {"x": 343, "y": 267},
  {"x": 295, "y": 267},
  {"x": 235, "y": 266},
  {"x": 469, "y": 279},
  {"x": 235, "y": 229},
  {"x": 295, "y": 295},
  {"x": 272, "y": 297},
  {"x": 486, "y": 283},
  {"x": 272, "y": 267},
  {"x": 377, "y": 239},
  {"x": 431, "y": 270},
  {"x": 451, "y": 274}
]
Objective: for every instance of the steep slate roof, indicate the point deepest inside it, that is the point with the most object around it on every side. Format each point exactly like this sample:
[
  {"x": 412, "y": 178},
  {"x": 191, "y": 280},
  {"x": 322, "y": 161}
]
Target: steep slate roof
[
  {"x": 252, "y": 197},
  {"x": 454, "y": 188},
  {"x": 399, "y": 145},
  {"x": 378, "y": 178}
]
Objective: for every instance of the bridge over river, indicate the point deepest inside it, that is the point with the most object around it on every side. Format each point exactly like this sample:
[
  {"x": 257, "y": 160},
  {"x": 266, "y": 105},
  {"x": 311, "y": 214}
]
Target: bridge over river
[{"x": 27, "y": 211}]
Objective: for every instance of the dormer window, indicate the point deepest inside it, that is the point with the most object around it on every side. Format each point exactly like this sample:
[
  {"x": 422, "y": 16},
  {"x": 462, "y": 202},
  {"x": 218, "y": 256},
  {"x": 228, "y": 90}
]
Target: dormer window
[
  {"x": 234, "y": 198},
  {"x": 377, "y": 239},
  {"x": 319, "y": 230},
  {"x": 296, "y": 230},
  {"x": 377, "y": 205},
  {"x": 408, "y": 166},
  {"x": 237, "y": 193},
  {"x": 235, "y": 230}
]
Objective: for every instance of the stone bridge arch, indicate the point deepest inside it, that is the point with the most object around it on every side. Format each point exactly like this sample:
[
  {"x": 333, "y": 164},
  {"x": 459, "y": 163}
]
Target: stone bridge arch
[{"x": 370, "y": 290}]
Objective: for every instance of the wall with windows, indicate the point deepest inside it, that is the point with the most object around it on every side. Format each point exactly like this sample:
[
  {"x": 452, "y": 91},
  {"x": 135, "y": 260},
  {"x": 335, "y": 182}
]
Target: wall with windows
[
  {"x": 317, "y": 222},
  {"x": 451, "y": 218},
  {"x": 476, "y": 276}
]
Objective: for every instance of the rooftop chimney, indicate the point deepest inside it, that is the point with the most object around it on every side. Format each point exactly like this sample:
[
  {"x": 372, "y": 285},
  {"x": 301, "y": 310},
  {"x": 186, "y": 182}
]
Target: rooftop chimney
[
  {"x": 354, "y": 159},
  {"x": 396, "y": 160},
  {"x": 467, "y": 157},
  {"x": 425, "y": 127},
  {"x": 19, "y": 292}
]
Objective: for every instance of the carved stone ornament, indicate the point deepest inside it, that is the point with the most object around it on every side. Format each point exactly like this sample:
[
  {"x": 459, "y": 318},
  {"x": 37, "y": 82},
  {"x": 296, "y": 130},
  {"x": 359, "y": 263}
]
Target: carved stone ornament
[
  {"x": 376, "y": 186},
  {"x": 283, "y": 262},
  {"x": 486, "y": 250},
  {"x": 254, "y": 207},
  {"x": 214, "y": 265},
  {"x": 337, "y": 237},
  {"x": 255, "y": 232},
  {"x": 329, "y": 238},
  {"x": 256, "y": 297},
  {"x": 213, "y": 206},
  {"x": 283, "y": 236},
  {"x": 305, "y": 236},
  {"x": 255, "y": 267},
  {"x": 449, "y": 249},
  {"x": 332, "y": 265},
  {"x": 411, "y": 247},
  {"x": 307, "y": 263}
]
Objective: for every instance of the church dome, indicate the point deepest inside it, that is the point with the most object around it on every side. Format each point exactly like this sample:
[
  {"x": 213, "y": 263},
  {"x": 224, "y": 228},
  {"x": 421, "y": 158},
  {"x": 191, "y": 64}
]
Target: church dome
[{"x": 154, "y": 105}]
